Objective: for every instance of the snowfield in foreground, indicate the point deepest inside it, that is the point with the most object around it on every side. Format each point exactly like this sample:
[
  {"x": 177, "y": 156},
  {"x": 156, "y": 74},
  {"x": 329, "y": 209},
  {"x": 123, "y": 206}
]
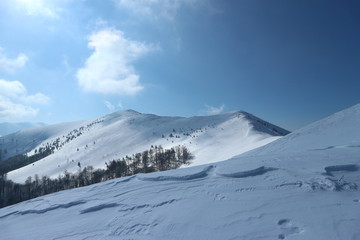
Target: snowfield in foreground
[{"x": 303, "y": 186}]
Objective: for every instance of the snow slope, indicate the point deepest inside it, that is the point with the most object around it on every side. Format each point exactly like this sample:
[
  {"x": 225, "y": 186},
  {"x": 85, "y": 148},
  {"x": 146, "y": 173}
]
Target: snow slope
[
  {"x": 96, "y": 141},
  {"x": 328, "y": 133},
  {"x": 303, "y": 188}
]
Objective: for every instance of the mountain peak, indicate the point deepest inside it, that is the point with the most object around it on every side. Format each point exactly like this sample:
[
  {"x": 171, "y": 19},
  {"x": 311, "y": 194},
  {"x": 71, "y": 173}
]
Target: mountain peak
[
  {"x": 122, "y": 114},
  {"x": 94, "y": 142},
  {"x": 130, "y": 111}
]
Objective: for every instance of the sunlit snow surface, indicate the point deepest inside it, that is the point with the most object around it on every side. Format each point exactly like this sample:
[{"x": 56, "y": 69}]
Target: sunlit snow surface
[
  {"x": 209, "y": 138},
  {"x": 303, "y": 186}
]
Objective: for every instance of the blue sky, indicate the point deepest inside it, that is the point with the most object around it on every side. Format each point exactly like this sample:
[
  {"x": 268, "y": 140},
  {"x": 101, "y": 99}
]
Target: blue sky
[{"x": 288, "y": 62}]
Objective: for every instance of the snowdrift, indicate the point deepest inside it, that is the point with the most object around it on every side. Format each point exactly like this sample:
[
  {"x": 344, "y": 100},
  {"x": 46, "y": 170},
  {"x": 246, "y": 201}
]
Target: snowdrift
[{"x": 303, "y": 186}]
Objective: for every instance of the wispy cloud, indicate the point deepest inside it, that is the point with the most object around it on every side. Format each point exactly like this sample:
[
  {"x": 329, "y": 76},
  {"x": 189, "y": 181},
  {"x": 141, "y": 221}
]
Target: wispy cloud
[
  {"x": 38, "y": 98},
  {"x": 16, "y": 103},
  {"x": 210, "y": 110},
  {"x": 111, "y": 106},
  {"x": 120, "y": 105},
  {"x": 167, "y": 9},
  {"x": 110, "y": 69},
  {"x": 66, "y": 65},
  {"x": 10, "y": 65}
]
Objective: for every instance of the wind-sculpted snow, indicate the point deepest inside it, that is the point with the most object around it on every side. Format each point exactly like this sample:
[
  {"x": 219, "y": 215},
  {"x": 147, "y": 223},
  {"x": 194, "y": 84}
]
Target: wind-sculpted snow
[
  {"x": 269, "y": 197},
  {"x": 337, "y": 168},
  {"x": 8, "y": 214},
  {"x": 51, "y": 208},
  {"x": 177, "y": 177},
  {"x": 124, "y": 179},
  {"x": 98, "y": 207},
  {"x": 115, "y": 182},
  {"x": 303, "y": 195},
  {"x": 249, "y": 173},
  {"x": 138, "y": 207},
  {"x": 45, "y": 210}
]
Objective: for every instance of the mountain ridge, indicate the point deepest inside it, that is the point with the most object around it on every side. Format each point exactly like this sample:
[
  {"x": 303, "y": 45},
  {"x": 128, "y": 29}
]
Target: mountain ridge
[
  {"x": 96, "y": 141},
  {"x": 299, "y": 140},
  {"x": 11, "y": 127}
]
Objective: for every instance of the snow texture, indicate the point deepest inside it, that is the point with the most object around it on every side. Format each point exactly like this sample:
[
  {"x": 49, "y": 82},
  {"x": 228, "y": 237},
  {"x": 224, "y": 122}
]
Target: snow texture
[{"x": 302, "y": 186}]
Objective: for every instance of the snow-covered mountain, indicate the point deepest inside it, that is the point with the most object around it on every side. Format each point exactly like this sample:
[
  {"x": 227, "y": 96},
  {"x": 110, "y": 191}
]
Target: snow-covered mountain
[
  {"x": 94, "y": 142},
  {"x": 325, "y": 134},
  {"x": 7, "y": 127},
  {"x": 302, "y": 186}
]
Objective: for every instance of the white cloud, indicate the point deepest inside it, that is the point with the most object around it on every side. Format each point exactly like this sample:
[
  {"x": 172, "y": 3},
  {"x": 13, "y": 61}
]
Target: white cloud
[
  {"x": 110, "y": 70},
  {"x": 37, "y": 98},
  {"x": 39, "y": 8},
  {"x": 10, "y": 110},
  {"x": 15, "y": 103},
  {"x": 10, "y": 65},
  {"x": 214, "y": 110},
  {"x": 11, "y": 89},
  {"x": 165, "y": 8}
]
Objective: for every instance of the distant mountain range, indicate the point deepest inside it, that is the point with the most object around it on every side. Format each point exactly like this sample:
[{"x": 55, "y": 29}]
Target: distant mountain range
[
  {"x": 7, "y": 127},
  {"x": 97, "y": 141}
]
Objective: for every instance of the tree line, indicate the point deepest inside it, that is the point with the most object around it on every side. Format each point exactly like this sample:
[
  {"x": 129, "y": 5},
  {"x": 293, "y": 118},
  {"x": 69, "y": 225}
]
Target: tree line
[
  {"x": 152, "y": 160},
  {"x": 22, "y": 160}
]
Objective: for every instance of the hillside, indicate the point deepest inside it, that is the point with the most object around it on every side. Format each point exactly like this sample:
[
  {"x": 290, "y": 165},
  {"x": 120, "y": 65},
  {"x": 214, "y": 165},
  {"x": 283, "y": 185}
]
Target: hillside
[
  {"x": 97, "y": 141},
  {"x": 331, "y": 132},
  {"x": 303, "y": 186}
]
